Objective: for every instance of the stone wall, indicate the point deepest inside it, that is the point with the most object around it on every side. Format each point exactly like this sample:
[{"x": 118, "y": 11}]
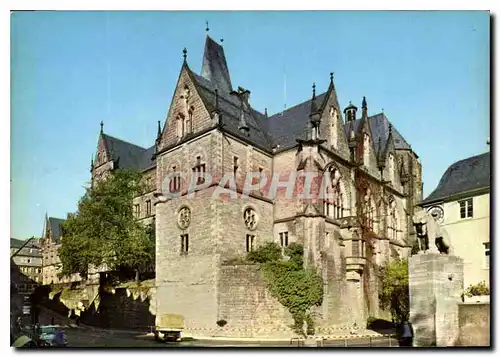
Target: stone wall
[
  {"x": 435, "y": 290},
  {"x": 474, "y": 324},
  {"x": 247, "y": 306},
  {"x": 119, "y": 311}
]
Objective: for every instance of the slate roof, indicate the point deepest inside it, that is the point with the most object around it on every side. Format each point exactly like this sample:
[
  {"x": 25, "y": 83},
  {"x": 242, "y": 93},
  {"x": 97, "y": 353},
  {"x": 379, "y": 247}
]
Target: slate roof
[
  {"x": 230, "y": 107},
  {"x": 129, "y": 155},
  {"x": 379, "y": 125},
  {"x": 291, "y": 124},
  {"x": 463, "y": 176},
  {"x": 18, "y": 243},
  {"x": 279, "y": 131},
  {"x": 55, "y": 227},
  {"x": 214, "y": 66}
]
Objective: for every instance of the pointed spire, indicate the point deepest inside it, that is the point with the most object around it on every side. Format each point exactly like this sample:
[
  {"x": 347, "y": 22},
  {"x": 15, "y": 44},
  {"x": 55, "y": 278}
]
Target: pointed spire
[
  {"x": 364, "y": 109},
  {"x": 158, "y": 135},
  {"x": 314, "y": 106},
  {"x": 331, "y": 79},
  {"x": 214, "y": 66},
  {"x": 216, "y": 99},
  {"x": 92, "y": 163},
  {"x": 102, "y": 126},
  {"x": 265, "y": 113},
  {"x": 381, "y": 154},
  {"x": 207, "y": 29},
  {"x": 184, "y": 53},
  {"x": 216, "y": 116}
]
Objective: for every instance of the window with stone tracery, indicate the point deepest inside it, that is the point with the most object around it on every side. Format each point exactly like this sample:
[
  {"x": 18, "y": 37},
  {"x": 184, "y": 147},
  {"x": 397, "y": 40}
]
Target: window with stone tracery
[
  {"x": 334, "y": 114},
  {"x": 369, "y": 210},
  {"x": 185, "y": 125},
  {"x": 391, "y": 168},
  {"x": 392, "y": 220},
  {"x": 333, "y": 203},
  {"x": 199, "y": 171},
  {"x": 366, "y": 149},
  {"x": 180, "y": 126}
]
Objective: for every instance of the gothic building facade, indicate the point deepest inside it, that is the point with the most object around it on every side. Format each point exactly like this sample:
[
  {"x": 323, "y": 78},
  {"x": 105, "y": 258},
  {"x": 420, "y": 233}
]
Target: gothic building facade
[{"x": 211, "y": 128}]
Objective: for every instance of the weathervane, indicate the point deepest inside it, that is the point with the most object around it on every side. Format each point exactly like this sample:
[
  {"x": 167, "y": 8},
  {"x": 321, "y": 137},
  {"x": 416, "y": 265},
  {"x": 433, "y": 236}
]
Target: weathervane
[{"x": 207, "y": 29}]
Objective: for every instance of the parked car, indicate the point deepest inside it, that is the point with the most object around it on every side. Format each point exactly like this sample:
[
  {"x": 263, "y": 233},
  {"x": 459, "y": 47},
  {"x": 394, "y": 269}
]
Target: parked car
[
  {"x": 51, "y": 336},
  {"x": 24, "y": 341}
]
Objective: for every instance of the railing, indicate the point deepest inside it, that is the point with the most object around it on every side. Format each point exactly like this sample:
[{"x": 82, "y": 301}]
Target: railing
[{"x": 382, "y": 341}]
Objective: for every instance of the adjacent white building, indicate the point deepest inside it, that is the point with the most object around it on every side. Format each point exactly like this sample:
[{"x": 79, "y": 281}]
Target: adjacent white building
[{"x": 461, "y": 204}]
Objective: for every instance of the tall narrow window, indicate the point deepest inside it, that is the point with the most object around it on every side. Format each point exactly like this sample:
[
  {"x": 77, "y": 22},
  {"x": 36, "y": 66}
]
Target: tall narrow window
[
  {"x": 235, "y": 165},
  {"x": 487, "y": 255},
  {"x": 366, "y": 149},
  {"x": 284, "y": 239},
  {"x": 137, "y": 211},
  {"x": 391, "y": 168},
  {"x": 333, "y": 200},
  {"x": 355, "y": 248},
  {"x": 148, "y": 208},
  {"x": 250, "y": 242},
  {"x": 184, "y": 243},
  {"x": 466, "y": 208},
  {"x": 333, "y": 130},
  {"x": 369, "y": 211},
  {"x": 199, "y": 171},
  {"x": 260, "y": 178},
  {"x": 175, "y": 181}
]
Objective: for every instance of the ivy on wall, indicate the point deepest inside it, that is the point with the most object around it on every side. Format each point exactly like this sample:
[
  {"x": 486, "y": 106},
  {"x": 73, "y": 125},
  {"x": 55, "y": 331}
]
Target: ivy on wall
[{"x": 296, "y": 288}]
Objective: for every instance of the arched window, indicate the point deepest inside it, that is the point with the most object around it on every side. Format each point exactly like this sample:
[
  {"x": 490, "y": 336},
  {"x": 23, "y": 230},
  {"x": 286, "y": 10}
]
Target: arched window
[
  {"x": 366, "y": 149},
  {"x": 391, "y": 167},
  {"x": 369, "y": 210},
  {"x": 333, "y": 203},
  {"x": 392, "y": 220},
  {"x": 98, "y": 158},
  {"x": 334, "y": 114},
  {"x": 180, "y": 126}
]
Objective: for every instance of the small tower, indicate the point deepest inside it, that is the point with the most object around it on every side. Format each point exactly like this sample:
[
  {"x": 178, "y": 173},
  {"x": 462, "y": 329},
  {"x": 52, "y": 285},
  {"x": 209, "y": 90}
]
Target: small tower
[
  {"x": 350, "y": 112},
  {"x": 244, "y": 96},
  {"x": 216, "y": 114},
  {"x": 158, "y": 136},
  {"x": 364, "y": 109},
  {"x": 314, "y": 116}
]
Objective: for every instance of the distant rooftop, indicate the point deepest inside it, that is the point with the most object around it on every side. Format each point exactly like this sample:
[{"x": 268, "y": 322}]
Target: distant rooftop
[{"x": 463, "y": 176}]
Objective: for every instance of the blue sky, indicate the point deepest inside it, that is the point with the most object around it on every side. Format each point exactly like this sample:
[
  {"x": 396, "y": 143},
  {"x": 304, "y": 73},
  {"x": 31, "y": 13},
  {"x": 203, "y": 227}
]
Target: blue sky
[{"x": 428, "y": 70}]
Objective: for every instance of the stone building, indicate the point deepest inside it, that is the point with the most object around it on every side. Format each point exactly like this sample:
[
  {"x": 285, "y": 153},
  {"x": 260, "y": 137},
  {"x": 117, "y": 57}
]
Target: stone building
[
  {"x": 461, "y": 205},
  {"x": 51, "y": 241},
  {"x": 371, "y": 171},
  {"x": 27, "y": 264}
]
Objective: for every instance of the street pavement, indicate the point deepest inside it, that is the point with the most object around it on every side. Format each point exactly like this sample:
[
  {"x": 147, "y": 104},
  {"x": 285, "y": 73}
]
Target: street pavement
[{"x": 85, "y": 337}]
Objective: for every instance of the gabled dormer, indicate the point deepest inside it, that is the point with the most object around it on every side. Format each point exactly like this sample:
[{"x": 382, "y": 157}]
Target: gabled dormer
[
  {"x": 198, "y": 101},
  {"x": 332, "y": 123},
  {"x": 365, "y": 151},
  {"x": 387, "y": 159}
]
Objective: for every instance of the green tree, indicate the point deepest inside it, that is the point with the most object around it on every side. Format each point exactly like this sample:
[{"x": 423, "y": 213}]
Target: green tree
[
  {"x": 104, "y": 230},
  {"x": 394, "y": 294}
]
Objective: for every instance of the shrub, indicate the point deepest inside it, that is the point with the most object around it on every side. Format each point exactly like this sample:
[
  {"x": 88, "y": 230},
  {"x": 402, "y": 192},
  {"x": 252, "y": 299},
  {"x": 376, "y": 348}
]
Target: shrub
[
  {"x": 394, "y": 294},
  {"x": 266, "y": 253},
  {"x": 296, "y": 288},
  {"x": 477, "y": 290}
]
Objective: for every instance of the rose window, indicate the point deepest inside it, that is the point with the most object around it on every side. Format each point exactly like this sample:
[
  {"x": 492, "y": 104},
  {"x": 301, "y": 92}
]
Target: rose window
[
  {"x": 184, "y": 217},
  {"x": 250, "y": 218}
]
